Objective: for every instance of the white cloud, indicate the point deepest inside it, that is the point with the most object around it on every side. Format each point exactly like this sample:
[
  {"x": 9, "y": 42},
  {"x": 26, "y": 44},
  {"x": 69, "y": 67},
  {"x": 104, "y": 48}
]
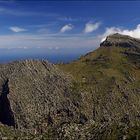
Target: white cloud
[
  {"x": 90, "y": 27},
  {"x": 66, "y": 28},
  {"x": 17, "y": 29},
  {"x": 133, "y": 33}
]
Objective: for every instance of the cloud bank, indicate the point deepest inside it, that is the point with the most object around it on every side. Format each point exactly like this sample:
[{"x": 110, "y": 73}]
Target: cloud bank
[
  {"x": 47, "y": 41},
  {"x": 133, "y": 32}
]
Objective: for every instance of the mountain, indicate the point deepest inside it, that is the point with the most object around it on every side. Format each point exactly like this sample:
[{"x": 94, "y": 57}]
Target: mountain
[
  {"x": 109, "y": 78},
  {"x": 94, "y": 97}
]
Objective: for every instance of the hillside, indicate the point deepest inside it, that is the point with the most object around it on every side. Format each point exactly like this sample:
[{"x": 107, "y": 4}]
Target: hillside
[{"x": 109, "y": 78}]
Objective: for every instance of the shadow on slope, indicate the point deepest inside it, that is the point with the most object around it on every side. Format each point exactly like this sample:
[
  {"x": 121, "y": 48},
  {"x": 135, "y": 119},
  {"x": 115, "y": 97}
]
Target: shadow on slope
[{"x": 6, "y": 115}]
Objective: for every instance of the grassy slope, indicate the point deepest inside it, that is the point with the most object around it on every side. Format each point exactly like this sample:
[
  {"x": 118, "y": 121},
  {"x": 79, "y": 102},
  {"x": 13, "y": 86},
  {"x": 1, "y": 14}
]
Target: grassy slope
[
  {"x": 104, "y": 65},
  {"x": 107, "y": 62},
  {"x": 109, "y": 78}
]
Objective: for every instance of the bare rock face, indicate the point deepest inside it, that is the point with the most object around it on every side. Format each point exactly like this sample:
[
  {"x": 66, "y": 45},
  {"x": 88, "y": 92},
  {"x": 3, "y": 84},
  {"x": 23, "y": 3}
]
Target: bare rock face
[
  {"x": 35, "y": 95},
  {"x": 120, "y": 41}
]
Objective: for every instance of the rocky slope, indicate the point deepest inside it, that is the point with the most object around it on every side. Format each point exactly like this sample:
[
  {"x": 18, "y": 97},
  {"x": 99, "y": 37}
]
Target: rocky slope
[{"x": 35, "y": 95}]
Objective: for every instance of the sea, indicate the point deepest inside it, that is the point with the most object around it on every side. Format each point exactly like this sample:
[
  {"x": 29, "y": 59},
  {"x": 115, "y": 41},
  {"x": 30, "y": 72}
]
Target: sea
[{"x": 53, "y": 56}]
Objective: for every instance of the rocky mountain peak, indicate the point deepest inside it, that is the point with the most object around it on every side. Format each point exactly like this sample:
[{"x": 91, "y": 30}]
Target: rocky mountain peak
[{"x": 119, "y": 40}]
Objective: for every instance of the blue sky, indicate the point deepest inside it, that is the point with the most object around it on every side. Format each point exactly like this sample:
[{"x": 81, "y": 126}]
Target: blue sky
[{"x": 65, "y": 25}]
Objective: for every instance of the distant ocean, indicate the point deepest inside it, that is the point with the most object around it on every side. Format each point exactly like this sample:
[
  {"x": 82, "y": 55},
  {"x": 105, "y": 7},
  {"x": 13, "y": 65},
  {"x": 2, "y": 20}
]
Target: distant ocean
[
  {"x": 50, "y": 58},
  {"x": 53, "y": 56}
]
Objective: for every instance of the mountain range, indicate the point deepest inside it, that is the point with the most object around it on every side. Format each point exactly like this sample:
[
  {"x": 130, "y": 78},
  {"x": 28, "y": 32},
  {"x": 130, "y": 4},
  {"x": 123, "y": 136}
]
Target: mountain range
[{"x": 95, "y": 97}]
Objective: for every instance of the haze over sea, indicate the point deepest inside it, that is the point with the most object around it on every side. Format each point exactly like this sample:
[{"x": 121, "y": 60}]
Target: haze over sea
[{"x": 53, "y": 56}]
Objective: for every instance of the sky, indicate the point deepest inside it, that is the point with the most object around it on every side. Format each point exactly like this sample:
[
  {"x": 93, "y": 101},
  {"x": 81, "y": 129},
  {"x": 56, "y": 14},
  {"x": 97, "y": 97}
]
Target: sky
[{"x": 64, "y": 27}]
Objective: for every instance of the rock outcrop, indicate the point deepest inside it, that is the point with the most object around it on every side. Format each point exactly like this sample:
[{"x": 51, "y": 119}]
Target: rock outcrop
[
  {"x": 35, "y": 95},
  {"x": 119, "y": 40}
]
